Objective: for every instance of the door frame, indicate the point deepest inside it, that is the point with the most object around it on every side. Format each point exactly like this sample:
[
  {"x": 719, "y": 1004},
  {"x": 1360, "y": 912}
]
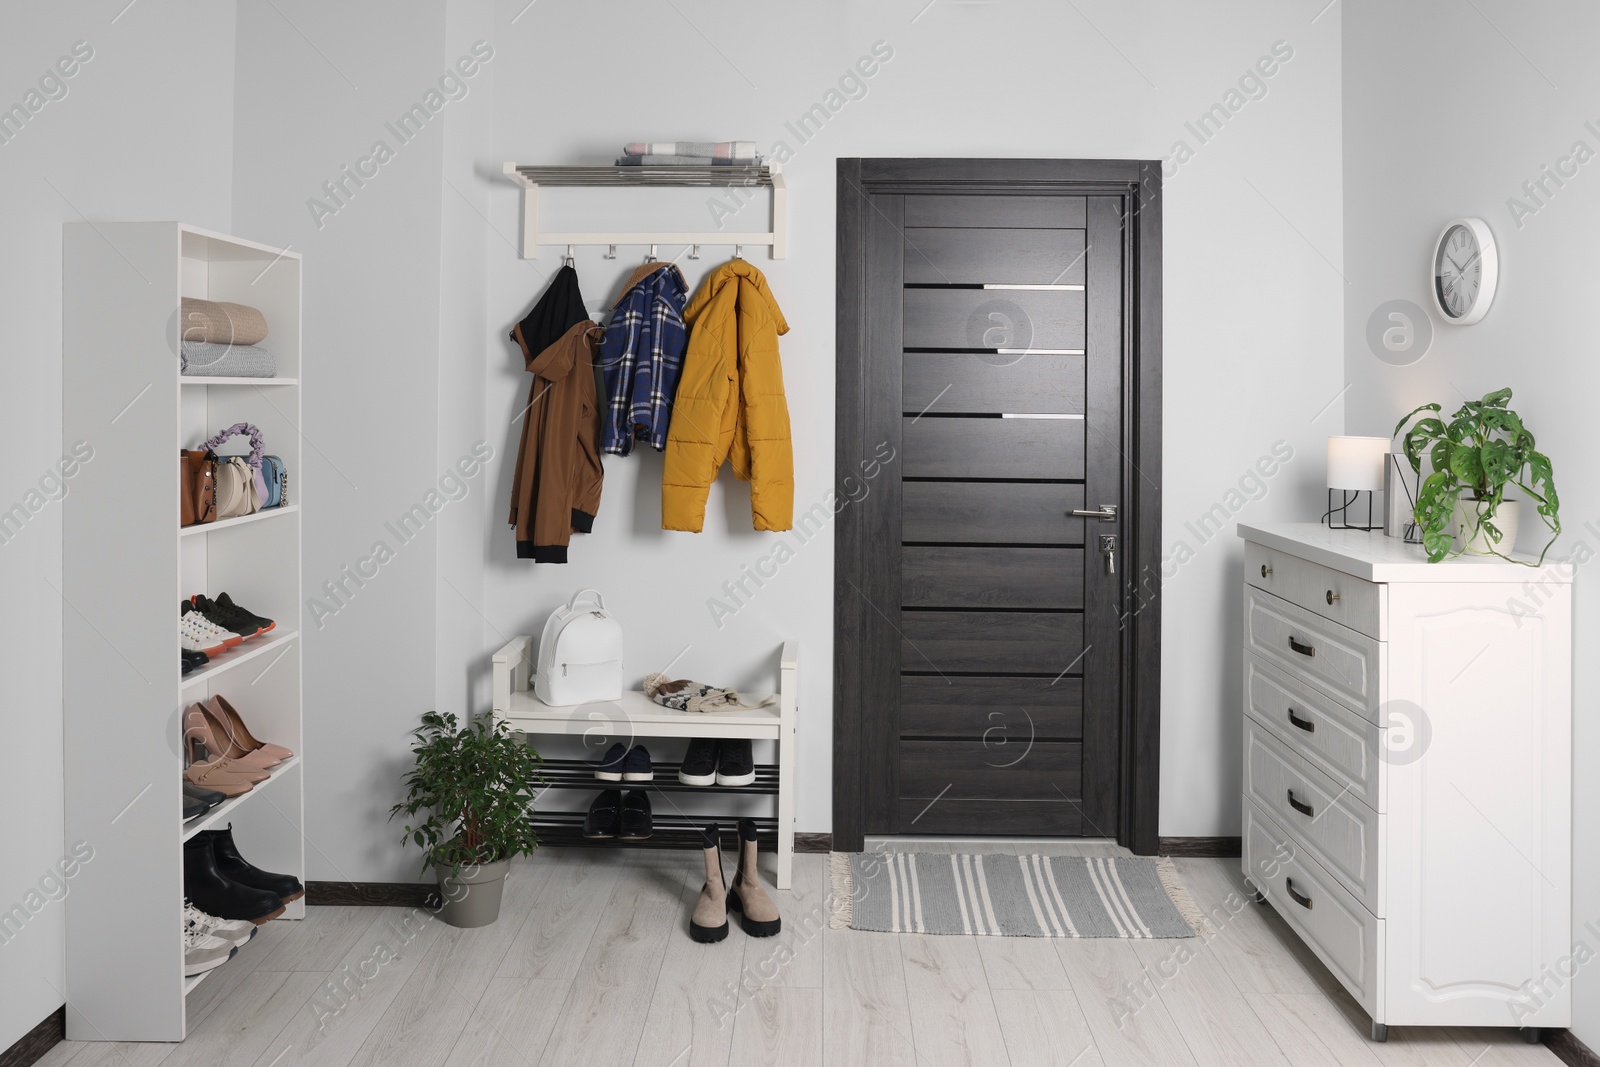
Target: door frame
[{"x": 862, "y": 634}]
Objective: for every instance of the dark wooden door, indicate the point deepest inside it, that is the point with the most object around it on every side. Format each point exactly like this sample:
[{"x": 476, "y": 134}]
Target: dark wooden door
[{"x": 995, "y": 348}]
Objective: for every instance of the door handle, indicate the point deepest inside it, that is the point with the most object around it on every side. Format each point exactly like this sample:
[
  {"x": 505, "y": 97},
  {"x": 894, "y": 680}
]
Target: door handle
[
  {"x": 1299, "y": 898},
  {"x": 1107, "y": 513},
  {"x": 1302, "y": 648},
  {"x": 1108, "y": 549}
]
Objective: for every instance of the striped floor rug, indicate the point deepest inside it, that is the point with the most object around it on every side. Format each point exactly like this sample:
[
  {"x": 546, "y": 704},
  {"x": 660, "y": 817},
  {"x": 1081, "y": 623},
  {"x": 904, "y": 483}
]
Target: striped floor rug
[{"x": 1011, "y": 896}]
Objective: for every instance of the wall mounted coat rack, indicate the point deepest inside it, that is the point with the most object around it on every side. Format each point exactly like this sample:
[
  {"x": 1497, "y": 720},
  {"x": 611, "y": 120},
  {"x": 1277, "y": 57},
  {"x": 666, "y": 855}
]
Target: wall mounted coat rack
[{"x": 769, "y": 176}]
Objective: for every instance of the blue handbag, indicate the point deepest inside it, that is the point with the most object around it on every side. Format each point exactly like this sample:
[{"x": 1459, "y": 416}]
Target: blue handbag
[{"x": 276, "y": 477}]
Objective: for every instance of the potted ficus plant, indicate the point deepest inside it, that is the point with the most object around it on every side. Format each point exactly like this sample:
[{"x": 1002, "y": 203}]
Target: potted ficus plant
[
  {"x": 473, "y": 783},
  {"x": 1481, "y": 454}
]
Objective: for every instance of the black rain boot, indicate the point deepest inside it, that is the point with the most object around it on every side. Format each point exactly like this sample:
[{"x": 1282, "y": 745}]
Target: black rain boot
[
  {"x": 235, "y": 867},
  {"x": 216, "y": 894}
]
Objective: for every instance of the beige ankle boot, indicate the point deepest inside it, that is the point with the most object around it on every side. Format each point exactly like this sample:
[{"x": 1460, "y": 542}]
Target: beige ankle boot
[
  {"x": 760, "y": 915},
  {"x": 710, "y": 919}
]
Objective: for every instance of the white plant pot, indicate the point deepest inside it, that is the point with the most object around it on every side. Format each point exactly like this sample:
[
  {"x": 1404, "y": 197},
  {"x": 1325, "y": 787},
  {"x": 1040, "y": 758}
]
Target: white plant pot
[{"x": 1470, "y": 536}]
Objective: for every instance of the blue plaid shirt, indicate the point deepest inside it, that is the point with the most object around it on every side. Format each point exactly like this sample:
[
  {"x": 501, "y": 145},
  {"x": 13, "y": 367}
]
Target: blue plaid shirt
[{"x": 641, "y": 357}]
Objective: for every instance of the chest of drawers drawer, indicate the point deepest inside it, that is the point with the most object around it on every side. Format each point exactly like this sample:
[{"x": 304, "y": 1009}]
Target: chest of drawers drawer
[
  {"x": 1321, "y": 731},
  {"x": 1319, "y": 814},
  {"x": 1345, "y": 599},
  {"x": 1328, "y": 657},
  {"x": 1344, "y": 935}
]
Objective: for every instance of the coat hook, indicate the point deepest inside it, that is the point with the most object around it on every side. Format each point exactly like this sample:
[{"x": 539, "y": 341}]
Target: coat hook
[
  {"x": 738, "y": 251},
  {"x": 611, "y": 251},
  {"x": 694, "y": 251},
  {"x": 567, "y": 259},
  {"x": 651, "y": 258}
]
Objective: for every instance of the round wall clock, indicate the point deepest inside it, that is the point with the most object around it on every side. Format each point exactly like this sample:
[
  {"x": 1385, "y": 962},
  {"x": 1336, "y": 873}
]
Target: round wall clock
[{"x": 1466, "y": 269}]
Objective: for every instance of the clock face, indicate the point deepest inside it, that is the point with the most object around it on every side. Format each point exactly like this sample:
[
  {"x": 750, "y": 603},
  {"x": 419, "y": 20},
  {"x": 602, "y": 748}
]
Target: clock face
[{"x": 1458, "y": 272}]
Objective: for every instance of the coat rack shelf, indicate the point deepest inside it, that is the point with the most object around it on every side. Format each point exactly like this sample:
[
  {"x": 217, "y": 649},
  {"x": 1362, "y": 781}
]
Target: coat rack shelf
[{"x": 766, "y": 176}]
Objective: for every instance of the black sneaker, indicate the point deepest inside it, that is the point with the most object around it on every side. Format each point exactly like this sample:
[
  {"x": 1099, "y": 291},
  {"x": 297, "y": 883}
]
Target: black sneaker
[
  {"x": 605, "y": 816},
  {"x": 637, "y": 823},
  {"x": 609, "y": 768},
  {"x": 636, "y": 765},
  {"x": 225, "y": 603},
  {"x": 699, "y": 763},
  {"x": 735, "y": 765},
  {"x": 244, "y": 625}
]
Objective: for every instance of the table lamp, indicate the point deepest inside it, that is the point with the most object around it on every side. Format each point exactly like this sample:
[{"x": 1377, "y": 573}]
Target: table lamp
[{"x": 1355, "y": 466}]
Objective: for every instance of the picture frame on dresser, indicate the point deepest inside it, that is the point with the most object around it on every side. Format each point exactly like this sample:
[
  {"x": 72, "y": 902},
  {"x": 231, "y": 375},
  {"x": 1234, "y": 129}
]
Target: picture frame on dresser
[{"x": 1407, "y": 779}]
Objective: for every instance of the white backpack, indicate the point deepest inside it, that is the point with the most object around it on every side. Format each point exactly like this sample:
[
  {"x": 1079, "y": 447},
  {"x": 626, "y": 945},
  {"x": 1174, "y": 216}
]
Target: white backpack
[{"x": 580, "y": 654}]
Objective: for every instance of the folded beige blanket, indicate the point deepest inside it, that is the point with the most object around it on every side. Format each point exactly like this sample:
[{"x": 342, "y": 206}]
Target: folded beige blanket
[{"x": 221, "y": 323}]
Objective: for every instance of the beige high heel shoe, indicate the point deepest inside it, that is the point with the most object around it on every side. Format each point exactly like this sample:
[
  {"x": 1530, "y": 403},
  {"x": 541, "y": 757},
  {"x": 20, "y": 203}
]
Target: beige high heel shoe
[
  {"x": 233, "y": 725},
  {"x": 200, "y": 723}
]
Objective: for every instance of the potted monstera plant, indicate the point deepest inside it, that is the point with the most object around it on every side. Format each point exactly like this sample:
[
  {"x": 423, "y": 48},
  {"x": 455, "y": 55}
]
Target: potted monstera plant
[
  {"x": 1484, "y": 469},
  {"x": 473, "y": 786}
]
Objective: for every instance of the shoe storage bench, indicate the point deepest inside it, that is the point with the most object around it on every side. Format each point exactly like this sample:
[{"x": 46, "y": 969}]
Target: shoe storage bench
[
  {"x": 126, "y": 564},
  {"x": 635, "y": 717}
]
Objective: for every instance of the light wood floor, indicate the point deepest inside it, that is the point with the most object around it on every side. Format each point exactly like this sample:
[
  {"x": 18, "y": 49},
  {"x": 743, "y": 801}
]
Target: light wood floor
[{"x": 591, "y": 963}]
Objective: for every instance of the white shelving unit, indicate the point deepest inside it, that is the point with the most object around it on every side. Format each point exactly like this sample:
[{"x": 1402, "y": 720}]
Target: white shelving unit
[{"x": 126, "y": 564}]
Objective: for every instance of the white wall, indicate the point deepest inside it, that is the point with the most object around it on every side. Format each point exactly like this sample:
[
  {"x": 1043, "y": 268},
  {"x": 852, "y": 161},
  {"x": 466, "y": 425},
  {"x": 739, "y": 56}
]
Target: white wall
[
  {"x": 1413, "y": 161},
  {"x": 1252, "y": 316},
  {"x": 144, "y": 132},
  {"x": 308, "y": 106}
]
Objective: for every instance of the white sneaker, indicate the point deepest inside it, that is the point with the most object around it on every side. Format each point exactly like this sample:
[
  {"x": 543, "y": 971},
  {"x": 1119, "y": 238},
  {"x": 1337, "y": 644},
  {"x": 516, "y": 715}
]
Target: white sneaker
[
  {"x": 202, "y": 952},
  {"x": 234, "y": 931},
  {"x": 200, "y": 634}
]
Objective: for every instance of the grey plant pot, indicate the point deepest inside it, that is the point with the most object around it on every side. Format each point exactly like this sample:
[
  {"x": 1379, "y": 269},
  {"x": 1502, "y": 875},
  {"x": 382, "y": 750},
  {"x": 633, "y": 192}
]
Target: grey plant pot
[{"x": 473, "y": 899}]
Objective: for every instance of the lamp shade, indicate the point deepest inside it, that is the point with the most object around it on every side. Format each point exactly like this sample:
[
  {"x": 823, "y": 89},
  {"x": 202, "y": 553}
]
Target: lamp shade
[{"x": 1355, "y": 464}]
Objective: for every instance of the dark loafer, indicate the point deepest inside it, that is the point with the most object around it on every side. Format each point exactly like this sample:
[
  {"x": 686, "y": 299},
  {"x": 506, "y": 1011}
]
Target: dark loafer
[
  {"x": 605, "y": 816},
  {"x": 637, "y": 823}
]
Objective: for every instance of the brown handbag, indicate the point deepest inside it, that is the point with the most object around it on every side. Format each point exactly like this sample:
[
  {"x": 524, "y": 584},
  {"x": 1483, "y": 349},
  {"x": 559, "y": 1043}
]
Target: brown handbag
[{"x": 197, "y": 486}]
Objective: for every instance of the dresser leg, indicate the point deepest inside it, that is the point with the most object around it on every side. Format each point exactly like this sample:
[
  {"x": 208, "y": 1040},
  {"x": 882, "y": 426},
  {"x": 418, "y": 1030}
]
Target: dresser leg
[
  {"x": 1532, "y": 1034},
  {"x": 1380, "y": 1032},
  {"x": 1255, "y": 894}
]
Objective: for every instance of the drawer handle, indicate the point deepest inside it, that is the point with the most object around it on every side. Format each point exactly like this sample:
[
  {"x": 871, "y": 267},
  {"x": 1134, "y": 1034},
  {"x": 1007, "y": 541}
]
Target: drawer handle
[
  {"x": 1301, "y": 807},
  {"x": 1298, "y": 898},
  {"x": 1301, "y": 724},
  {"x": 1302, "y": 648},
  {"x": 1265, "y": 570},
  {"x": 1332, "y": 596}
]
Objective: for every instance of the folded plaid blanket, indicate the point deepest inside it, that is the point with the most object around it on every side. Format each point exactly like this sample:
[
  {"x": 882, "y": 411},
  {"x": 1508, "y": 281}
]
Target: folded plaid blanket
[
  {"x": 227, "y": 361},
  {"x": 685, "y": 161},
  {"x": 740, "y": 150}
]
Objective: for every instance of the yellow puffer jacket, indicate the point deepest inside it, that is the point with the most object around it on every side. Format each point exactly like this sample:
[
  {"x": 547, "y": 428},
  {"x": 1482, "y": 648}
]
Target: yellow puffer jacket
[{"x": 730, "y": 404}]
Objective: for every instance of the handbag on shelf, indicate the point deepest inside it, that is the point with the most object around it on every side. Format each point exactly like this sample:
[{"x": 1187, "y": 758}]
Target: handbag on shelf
[
  {"x": 240, "y": 484},
  {"x": 197, "y": 486},
  {"x": 276, "y": 477}
]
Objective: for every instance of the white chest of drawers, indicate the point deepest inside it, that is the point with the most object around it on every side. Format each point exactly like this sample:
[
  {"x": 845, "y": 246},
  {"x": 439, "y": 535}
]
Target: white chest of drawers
[{"x": 1408, "y": 772}]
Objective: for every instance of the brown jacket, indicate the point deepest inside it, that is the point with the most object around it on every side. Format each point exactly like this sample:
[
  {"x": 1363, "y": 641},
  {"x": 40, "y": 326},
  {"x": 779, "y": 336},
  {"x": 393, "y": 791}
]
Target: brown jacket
[{"x": 556, "y": 488}]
